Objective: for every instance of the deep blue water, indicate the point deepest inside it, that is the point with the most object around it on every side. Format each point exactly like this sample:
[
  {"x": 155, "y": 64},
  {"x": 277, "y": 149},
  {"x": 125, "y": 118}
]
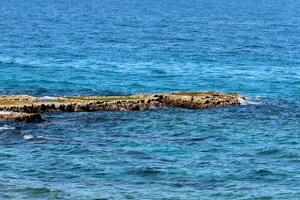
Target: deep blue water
[{"x": 114, "y": 47}]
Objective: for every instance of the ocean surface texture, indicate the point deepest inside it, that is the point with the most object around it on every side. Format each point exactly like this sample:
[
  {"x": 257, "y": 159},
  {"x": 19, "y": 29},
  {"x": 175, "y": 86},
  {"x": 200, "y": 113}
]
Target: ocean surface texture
[{"x": 118, "y": 47}]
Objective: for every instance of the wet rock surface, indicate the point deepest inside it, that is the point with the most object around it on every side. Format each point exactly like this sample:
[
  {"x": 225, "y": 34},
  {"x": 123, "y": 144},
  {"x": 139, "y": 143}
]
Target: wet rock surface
[{"x": 28, "y": 109}]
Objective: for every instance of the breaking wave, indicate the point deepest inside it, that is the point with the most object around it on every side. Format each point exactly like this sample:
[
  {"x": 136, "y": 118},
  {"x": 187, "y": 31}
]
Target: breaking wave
[{"x": 250, "y": 101}]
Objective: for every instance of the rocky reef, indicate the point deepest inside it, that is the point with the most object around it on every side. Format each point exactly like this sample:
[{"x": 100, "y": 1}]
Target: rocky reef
[
  {"x": 20, "y": 117},
  {"x": 25, "y": 108}
]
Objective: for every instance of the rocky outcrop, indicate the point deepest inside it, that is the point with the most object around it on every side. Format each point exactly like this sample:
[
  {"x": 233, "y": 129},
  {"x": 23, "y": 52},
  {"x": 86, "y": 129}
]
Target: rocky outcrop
[
  {"x": 20, "y": 117},
  {"x": 201, "y": 100},
  {"x": 28, "y": 108}
]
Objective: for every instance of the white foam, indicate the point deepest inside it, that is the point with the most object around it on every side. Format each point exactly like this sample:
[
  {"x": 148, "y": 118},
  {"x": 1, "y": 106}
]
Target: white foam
[
  {"x": 31, "y": 137},
  {"x": 40, "y": 137},
  {"x": 5, "y": 127},
  {"x": 250, "y": 101},
  {"x": 28, "y": 137},
  {"x": 46, "y": 98}
]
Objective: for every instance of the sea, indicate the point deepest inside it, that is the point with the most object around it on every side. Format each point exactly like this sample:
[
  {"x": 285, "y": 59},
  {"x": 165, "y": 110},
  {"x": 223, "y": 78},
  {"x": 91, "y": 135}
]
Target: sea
[{"x": 51, "y": 48}]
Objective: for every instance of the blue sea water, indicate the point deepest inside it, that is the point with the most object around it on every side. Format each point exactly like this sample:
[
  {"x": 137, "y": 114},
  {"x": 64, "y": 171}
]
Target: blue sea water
[{"x": 115, "y": 47}]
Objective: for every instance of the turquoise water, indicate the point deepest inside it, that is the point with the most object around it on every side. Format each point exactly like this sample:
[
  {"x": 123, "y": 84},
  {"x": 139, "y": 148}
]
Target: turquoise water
[{"x": 72, "y": 47}]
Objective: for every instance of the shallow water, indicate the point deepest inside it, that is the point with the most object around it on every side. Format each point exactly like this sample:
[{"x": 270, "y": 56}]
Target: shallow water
[{"x": 54, "y": 48}]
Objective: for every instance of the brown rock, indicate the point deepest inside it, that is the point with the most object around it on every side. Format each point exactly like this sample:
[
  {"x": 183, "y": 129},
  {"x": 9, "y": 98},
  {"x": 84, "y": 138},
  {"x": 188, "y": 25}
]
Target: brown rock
[
  {"x": 26, "y": 108},
  {"x": 20, "y": 117}
]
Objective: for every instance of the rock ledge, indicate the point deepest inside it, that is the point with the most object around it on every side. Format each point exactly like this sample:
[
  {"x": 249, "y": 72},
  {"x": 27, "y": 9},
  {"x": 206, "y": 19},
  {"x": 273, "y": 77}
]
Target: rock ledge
[{"x": 25, "y": 108}]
